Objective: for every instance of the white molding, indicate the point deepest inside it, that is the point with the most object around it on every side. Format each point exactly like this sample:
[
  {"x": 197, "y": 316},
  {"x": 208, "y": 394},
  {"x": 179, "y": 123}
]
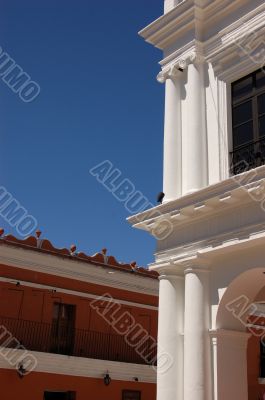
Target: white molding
[
  {"x": 212, "y": 194},
  {"x": 76, "y": 270},
  {"x": 85, "y": 367},
  {"x": 224, "y": 201},
  {"x": 185, "y": 17},
  {"x": 77, "y": 293}
]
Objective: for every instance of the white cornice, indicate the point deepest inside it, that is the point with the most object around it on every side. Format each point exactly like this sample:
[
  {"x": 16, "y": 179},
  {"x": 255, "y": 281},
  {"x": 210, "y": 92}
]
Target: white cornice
[
  {"x": 206, "y": 200},
  {"x": 160, "y": 32},
  {"x": 211, "y": 206},
  {"x": 194, "y": 19},
  {"x": 76, "y": 293},
  {"x": 186, "y": 16},
  {"x": 76, "y": 270},
  {"x": 206, "y": 253},
  {"x": 85, "y": 367}
]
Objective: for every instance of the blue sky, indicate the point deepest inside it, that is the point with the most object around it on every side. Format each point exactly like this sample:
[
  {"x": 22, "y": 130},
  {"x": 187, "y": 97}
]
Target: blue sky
[{"x": 99, "y": 100}]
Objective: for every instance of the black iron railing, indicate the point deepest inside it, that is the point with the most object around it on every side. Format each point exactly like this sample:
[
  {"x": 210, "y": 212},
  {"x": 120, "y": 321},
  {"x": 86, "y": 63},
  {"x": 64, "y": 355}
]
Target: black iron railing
[
  {"x": 51, "y": 338},
  {"x": 248, "y": 156}
]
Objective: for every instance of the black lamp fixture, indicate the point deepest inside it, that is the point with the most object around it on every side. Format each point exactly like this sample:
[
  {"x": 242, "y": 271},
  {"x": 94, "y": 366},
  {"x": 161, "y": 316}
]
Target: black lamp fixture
[
  {"x": 21, "y": 371},
  {"x": 160, "y": 197},
  {"x": 136, "y": 379},
  {"x": 107, "y": 379},
  {"x": 180, "y": 69}
]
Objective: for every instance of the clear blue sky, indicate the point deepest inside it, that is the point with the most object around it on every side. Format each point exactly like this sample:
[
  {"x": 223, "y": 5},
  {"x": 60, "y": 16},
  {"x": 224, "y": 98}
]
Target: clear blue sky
[{"x": 99, "y": 100}]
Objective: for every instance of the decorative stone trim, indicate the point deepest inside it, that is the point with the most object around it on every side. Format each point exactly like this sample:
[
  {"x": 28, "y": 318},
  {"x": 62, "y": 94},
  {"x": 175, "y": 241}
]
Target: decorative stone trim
[
  {"x": 179, "y": 66},
  {"x": 86, "y": 367},
  {"x": 75, "y": 269}
]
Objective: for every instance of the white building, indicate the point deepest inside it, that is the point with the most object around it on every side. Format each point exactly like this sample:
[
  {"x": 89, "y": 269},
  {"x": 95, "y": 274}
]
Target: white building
[{"x": 210, "y": 228}]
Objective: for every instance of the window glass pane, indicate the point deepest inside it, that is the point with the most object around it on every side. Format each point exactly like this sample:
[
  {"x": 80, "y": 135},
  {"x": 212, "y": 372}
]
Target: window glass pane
[
  {"x": 243, "y": 134},
  {"x": 131, "y": 395},
  {"x": 261, "y": 104},
  {"x": 242, "y": 87},
  {"x": 262, "y": 126},
  {"x": 242, "y": 113},
  {"x": 55, "y": 396},
  {"x": 260, "y": 79}
]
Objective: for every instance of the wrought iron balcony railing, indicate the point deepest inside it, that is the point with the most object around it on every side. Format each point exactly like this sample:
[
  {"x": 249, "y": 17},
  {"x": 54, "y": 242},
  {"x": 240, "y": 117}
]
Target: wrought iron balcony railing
[
  {"x": 248, "y": 156},
  {"x": 51, "y": 338}
]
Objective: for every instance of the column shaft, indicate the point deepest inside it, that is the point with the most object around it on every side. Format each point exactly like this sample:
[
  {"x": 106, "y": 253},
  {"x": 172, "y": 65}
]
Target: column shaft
[
  {"x": 170, "y": 337},
  {"x": 194, "y": 139},
  {"x": 172, "y": 140},
  {"x": 196, "y": 336}
]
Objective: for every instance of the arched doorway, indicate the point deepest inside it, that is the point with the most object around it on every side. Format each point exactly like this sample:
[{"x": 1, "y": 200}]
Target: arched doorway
[{"x": 236, "y": 340}]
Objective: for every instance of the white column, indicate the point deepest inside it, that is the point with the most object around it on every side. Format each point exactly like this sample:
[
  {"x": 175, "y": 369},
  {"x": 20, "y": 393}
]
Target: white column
[
  {"x": 214, "y": 367},
  {"x": 197, "y": 375},
  {"x": 170, "y": 338},
  {"x": 194, "y": 141},
  {"x": 231, "y": 368},
  {"x": 172, "y": 180}
]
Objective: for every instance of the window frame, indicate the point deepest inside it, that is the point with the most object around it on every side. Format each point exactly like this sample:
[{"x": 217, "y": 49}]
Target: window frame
[
  {"x": 253, "y": 97},
  {"x": 129, "y": 391}
]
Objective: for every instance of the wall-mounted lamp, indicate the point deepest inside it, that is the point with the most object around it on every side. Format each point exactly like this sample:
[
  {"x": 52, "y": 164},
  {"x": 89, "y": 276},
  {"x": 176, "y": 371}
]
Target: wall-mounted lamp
[
  {"x": 180, "y": 69},
  {"x": 160, "y": 197},
  {"x": 136, "y": 379},
  {"x": 17, "y": 283},
  {"x": 107, "y": 379},
  {"x": 21, "y": 371}
]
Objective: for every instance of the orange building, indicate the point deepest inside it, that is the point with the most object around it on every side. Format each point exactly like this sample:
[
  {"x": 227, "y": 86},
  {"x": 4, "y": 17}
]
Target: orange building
[{"x": 74, "y": 326}]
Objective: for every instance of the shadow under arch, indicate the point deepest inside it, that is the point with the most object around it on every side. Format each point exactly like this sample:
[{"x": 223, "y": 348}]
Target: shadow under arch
[{"x": 241, "y": 292}]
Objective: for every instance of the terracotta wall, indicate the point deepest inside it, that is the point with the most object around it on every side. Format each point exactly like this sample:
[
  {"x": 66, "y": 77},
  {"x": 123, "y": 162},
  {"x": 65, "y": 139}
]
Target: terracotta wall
[
  {"x": 32, "y": 304},
  {"x": 32, "y": 387}
]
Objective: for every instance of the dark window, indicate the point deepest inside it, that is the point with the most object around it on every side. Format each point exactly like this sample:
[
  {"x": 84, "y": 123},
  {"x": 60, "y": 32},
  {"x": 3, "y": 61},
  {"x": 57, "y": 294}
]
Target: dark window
[
  {"x": 248, "y": 116},
  {"x": 131, "y": 395},
  {"x": 63, "y": 328},
  {"x": 59, "y": 395},
  {"x": 262, "y": 360}
]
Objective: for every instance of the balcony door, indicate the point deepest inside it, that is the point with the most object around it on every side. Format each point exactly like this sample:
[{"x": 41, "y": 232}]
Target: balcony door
[
  {"x": 248, "y": 103},
  {"x": 63, "y": 328}
]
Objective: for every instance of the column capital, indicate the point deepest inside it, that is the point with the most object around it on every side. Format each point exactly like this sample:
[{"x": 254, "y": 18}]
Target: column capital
[
  {"x": 170, "y": 276},
  {"x": 169, "y": 73},
  {"x": 196, "y": 57},
  {"x": 233, "y": 338},
  {"x": 175, "y": 69},
  {"x": 167, "y": 270},
  {"x": 196, "y": 269},
  {"x": 194, "y": 264}
]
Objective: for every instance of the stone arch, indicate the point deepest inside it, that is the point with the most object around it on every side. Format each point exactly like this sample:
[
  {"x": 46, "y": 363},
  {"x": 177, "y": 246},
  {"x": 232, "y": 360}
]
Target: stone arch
[
  {"x": 231, "y": 336},
  {"x": 241, "y": 292}
]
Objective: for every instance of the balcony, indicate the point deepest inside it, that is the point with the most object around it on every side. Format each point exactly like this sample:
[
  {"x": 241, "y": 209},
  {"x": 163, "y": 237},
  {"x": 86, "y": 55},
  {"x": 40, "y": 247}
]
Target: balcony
[
  {"x": 248, "y": 156},
  {"x": 49, "y": 338}
]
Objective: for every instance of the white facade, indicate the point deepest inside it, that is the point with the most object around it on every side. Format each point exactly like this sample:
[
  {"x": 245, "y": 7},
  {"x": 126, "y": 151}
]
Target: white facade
[{"x": 211, "y": 241}]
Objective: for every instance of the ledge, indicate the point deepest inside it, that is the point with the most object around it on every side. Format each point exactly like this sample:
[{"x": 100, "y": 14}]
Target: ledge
[{"x": 84, "y": 367}]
